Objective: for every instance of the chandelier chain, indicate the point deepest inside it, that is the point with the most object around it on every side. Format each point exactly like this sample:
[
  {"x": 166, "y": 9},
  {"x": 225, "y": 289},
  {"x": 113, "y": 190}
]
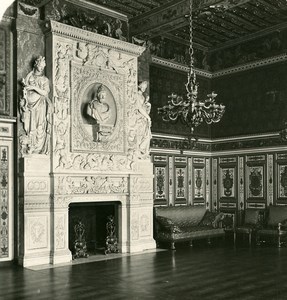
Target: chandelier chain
[{"x": 190, "y": 33}]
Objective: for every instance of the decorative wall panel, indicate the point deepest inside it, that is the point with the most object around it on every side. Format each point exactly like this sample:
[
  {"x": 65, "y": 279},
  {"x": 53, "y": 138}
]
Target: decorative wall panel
[
  {"x": 161, "y": 179},
  {"x": 190, "y": 181},
  {"x": 255, "y": 182},
  {"x": 199, "y": 182},
  {"x": 7, "y": 187},
  {"x": 4, "y": 202},
  {"x": 171, "y": 195},
  {"x": 207, "y": 188},
  {"x": 241, "y": 181},
  {"x": 37, "y": 231},
  {"x": 181, "y": 185},
  {"x": 282, "y": 181},
  {"x": 214, "y": 183},
  {"x": 270, "y": 179},
  {"x": 227, "y": 182},
  {"x": 60, "y": 230}
]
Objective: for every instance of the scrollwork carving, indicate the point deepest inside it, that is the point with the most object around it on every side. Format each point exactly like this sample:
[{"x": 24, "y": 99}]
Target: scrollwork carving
[
  {"x": 60, "y": 231},
  {"x": 91, "y": 185}
]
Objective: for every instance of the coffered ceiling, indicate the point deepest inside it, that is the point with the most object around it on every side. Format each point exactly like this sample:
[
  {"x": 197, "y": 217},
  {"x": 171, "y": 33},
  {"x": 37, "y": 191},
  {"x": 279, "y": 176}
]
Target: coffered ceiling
[{"x": 217, "y": 23}]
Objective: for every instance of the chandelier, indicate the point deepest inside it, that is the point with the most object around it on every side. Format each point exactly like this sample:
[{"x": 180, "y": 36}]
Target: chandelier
[{"x": 190, "y": 110}]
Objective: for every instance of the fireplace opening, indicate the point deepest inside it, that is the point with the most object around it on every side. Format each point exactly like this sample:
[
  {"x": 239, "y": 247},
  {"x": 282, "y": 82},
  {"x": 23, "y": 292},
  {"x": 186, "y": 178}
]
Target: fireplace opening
[{"x": 88, "y": 223}]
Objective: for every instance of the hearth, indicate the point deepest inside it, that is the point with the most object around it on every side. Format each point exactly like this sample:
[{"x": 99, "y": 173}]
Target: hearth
[{"x": 94, "y": 217}]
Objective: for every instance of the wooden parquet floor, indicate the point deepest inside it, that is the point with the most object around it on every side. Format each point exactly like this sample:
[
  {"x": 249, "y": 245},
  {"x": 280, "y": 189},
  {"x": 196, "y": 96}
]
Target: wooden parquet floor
[{"x": 202, "y": 272}]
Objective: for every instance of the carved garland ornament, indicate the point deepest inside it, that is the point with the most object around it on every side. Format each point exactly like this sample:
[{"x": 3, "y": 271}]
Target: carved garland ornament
[{"x": 91, "y": 185}]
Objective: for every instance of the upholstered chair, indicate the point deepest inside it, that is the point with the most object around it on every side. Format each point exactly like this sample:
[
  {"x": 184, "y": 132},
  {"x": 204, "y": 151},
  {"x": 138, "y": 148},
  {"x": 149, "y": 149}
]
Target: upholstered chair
[
  {"x": 276, "y": 227},
  {"x": 250, "y": 224}
]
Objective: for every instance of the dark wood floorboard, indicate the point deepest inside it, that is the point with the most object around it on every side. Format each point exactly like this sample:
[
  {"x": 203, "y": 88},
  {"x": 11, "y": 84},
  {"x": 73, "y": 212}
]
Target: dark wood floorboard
[{"x": 203, "y": 272}]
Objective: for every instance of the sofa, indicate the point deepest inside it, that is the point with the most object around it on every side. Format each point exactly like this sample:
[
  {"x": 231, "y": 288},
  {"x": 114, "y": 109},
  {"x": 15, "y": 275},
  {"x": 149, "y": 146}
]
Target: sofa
[
  {"x": 175, "y": 224},
  {"x": 275, "y": 227}
]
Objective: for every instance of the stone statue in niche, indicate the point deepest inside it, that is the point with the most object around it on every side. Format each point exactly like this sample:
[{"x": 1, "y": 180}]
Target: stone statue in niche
[
  {"x": 99, "y": 110},
  {"x": 36, "y": 110},
  {"x": 144, "y": 120}
]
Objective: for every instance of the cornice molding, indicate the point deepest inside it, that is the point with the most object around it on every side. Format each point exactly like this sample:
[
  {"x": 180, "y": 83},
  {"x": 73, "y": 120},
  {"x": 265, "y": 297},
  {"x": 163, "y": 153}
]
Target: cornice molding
[
  {"x": 219, "y": 153},
  {"x": 251, "y": 65},
  {"x": 168, "y": 63},
  {"x": 88, "y": 36},
  {"x": 218, "y": 140},
  {"x": 224, "y": 146},
  {"x": 177, "y": 66},
  {"x": 245, "y": 137},
  {"x": 249, "y": 151},
  {"x": 224, "y": 72}
]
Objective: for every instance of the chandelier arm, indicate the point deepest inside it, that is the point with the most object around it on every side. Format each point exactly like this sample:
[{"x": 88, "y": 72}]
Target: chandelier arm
[{"x": 178, "y": 101}]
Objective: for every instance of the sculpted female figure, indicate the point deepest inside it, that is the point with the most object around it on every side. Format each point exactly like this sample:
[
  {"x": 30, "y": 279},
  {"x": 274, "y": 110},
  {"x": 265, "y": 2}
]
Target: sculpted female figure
[
  {"x": 144, "y": 121},
  {"x": 36, "y": 109}
]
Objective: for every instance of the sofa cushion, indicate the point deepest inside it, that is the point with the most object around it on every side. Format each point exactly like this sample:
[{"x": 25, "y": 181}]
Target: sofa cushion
[
  {"x": 211, "y": 219},
  {"x": 167, "y": 224},
  {"x": 277, "y": 214},
  {"x": 182, "y": 216},
  {"x": 251, "y": 216}
]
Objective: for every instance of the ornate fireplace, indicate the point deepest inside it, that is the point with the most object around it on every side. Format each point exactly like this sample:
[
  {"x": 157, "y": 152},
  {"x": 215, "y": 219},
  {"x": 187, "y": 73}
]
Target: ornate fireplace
[{"x": 99, "y": 146}]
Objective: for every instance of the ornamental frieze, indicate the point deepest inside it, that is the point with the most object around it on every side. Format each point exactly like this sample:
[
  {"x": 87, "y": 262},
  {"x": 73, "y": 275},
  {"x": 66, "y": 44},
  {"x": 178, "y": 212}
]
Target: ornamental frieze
[
  {"x": 91, "y": 185},
  {"x": 86, "y": 16},
  {"x": 94, "y": 162},
  {"x": 163, "y": 143}
]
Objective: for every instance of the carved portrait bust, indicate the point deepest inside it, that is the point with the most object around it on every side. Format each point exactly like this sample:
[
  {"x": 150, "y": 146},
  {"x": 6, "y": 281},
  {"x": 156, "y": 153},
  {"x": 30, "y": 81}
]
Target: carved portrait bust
[{"x": 99, "y": 111}]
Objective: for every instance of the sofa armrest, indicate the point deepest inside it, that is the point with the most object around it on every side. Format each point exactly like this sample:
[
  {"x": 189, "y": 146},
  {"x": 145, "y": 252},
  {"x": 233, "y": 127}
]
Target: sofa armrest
[
  {"x": 167, "y": 225},
  {"x": 218, "y": 221}
]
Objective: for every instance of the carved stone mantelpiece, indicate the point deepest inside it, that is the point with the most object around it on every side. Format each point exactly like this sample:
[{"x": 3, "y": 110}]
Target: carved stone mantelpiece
[{"x": 95, "y": 155}]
